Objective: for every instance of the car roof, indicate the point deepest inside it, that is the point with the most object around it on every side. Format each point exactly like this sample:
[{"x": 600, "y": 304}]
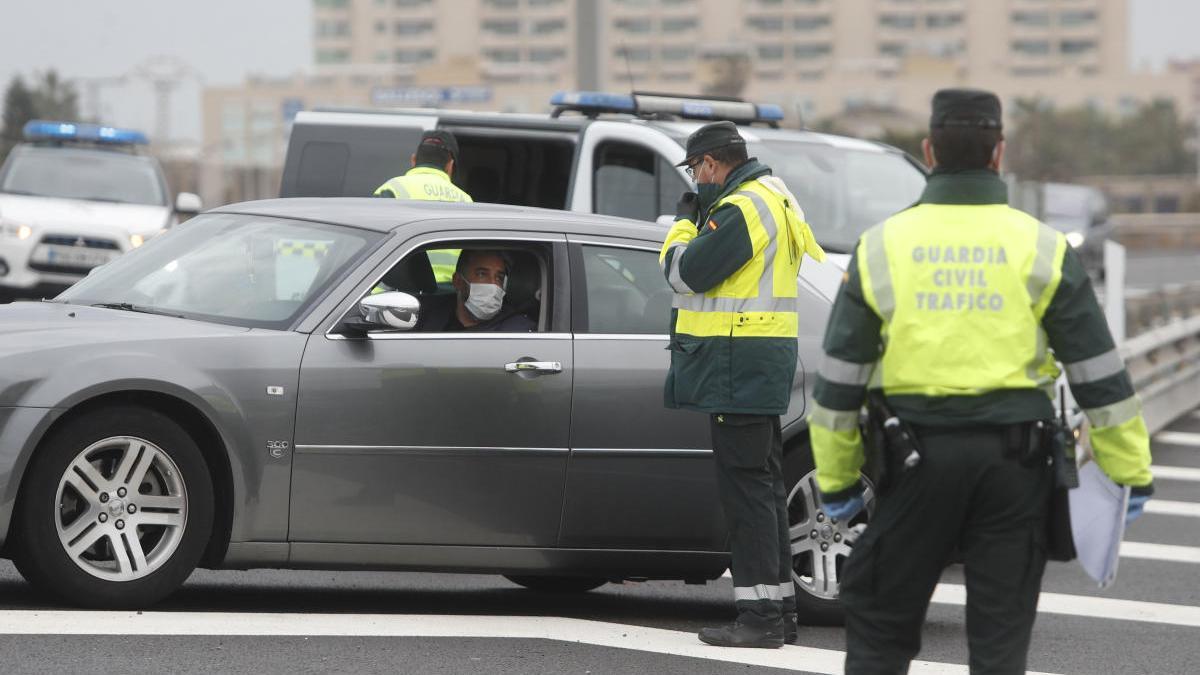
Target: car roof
[{"x": 389, "y": 215}]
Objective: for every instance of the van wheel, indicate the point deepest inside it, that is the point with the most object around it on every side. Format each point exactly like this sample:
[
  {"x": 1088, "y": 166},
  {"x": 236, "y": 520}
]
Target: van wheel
[
  {"x": 115, "y": 511},
  {"x": 558, "y": 584},
  {"x": 819, "y": 547}
]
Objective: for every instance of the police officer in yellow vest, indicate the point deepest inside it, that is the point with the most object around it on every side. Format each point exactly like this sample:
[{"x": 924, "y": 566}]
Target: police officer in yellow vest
[
  {"x": 429, "y": 179},
  {"x": 732, "y": 259},
  {"x": 955, "y": 311}
]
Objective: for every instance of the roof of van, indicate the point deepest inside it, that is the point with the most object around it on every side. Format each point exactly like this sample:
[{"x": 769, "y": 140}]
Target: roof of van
[
  {"x": 677, "y": 130},
  {"x": 387, "y": 215}
]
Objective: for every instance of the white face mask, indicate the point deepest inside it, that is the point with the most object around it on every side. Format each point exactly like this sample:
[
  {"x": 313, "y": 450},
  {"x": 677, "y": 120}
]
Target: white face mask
[{"x": 484, "y": 301}]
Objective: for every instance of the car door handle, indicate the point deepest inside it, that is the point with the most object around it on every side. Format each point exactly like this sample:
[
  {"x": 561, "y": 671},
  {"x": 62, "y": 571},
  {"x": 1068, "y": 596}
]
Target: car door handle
[{"x": 533, "y": 367}]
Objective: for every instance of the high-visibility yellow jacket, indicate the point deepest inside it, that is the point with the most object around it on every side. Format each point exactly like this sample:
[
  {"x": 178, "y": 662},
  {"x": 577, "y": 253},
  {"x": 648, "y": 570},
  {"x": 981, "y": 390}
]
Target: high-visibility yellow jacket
[
  {"x": 423, "y": 183},
  {"x": 958, "y": 310},
  {"x": 733, "y": 342}
]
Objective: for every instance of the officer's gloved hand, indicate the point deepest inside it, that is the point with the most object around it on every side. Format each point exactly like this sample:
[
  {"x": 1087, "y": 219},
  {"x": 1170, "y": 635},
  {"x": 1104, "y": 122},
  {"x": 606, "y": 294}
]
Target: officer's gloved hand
[
  {"x": 844, "y": 509},
  {"x": 688, "y": 207},
  {"x": 1137, "y": 504}
]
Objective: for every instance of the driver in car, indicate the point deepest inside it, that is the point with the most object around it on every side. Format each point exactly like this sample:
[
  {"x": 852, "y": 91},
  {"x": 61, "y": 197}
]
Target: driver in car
[{"x": 480, "y": 281}]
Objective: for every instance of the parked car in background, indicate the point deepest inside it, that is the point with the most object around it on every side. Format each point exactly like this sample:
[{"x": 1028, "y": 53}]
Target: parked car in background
[
  {"x": 1081, "y": 212},
  {"x": 75, "y": 196}
]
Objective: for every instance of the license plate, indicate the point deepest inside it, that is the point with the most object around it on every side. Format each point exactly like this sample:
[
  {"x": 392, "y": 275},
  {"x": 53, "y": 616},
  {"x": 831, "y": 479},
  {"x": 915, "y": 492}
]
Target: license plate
[{"x": 71, "y": 256}]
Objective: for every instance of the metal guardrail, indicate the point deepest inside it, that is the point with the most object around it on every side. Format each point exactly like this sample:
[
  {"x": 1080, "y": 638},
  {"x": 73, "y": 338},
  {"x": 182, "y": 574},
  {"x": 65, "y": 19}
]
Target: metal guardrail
[
  {"x": 1146, "y": 310},
  {"x": 1164, "y": 363}
]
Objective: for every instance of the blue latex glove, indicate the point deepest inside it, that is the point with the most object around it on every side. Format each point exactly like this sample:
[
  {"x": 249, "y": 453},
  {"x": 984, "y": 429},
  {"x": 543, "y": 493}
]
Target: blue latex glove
[
  {"x": 1137, "y": 503},
  {"x": 845, "y": 509}
]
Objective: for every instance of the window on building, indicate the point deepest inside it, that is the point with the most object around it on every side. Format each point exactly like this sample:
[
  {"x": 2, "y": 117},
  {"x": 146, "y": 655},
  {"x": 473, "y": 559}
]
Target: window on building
[
  {"x": 807, "y": 23},
  {"x": 1031, "y": 47},
  {"x": 549, "y": 26},
  {"x": 503, "y": 4},
  {"x": 944, "y": 20},
  {"x": 770, "y": 3},
  {"x": 898, "y": 21},
  {"x": 766, "y": 24},
  {"x": 544, "y": 3},
  {"x": 812, "y": 50},
  {"x": 334, "y": 4},
  {"x": 547, "y": 54},
  {"x": 329, "y": 29},
  {"x": 771, "y": 52},
  {"x": 412, "y": 56},
  {"x": 1166, "y": 204},
  {"x": 678, "y": 53},
  {"x": 1031, "y": 19},
  {"x": 1078, "y": 47},
  {"x": 679, "y": 25},
  {"x": 634, "y": 54},
  {"x": 328, "y": 56},
  {"x": 636, "y": 26},
  {"x": 1077, "y": 18},
  {"x": 412, "y": 27},
  {"x": 381, "y": 57},
  {"x": 503, "y": 55},
  {"x": 380, "y": 26},
  {"x": 670, "y": 3},
  {"x": 502, "y": 27},
  {"x": 410, "y": 3},
  {"x": 898, "y": 49}
]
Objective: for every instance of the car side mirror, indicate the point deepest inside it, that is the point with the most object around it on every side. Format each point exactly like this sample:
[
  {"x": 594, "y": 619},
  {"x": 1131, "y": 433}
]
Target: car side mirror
[
  {"x": 393, "y": 310},
  {"x": 666, "y": 220},
  {"x": 188, "y": 203}
]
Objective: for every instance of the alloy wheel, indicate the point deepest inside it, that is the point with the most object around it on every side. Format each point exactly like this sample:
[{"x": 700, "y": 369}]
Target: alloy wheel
[{"x": 820, "y": 545}]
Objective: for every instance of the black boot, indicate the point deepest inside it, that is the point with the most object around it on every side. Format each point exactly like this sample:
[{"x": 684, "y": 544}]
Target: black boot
[
  {"x": 738, "y": 634},
  {"x": 791, "y": 628}
]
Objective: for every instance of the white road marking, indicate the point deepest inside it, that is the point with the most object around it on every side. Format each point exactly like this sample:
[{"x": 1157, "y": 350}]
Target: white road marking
[
  {"x": 1178, "y": 438},
  {"x": 1093, "y": 607},
  {"x": 1175, "y": 473},
  {"x": 620, "y": 636},
  {"x": 1166, "y": 507},
  {"x": 1163, "y": 552}
]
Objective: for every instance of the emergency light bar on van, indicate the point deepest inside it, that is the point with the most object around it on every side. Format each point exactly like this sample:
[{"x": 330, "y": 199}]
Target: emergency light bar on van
[
  {"x": 593, "y": 103},
  {"x": 68, "y": 132}
]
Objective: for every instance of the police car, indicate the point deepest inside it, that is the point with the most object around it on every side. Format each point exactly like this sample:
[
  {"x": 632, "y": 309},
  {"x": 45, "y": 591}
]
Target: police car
[{"x": 74, "y": 196}]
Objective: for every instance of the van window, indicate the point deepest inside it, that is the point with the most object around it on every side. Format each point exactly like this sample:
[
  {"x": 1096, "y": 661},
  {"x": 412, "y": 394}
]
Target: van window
[
  {"x": 515, "y": 167},
  {"x": 634, "y": 182},
  {"x": 323, "y": 169}
]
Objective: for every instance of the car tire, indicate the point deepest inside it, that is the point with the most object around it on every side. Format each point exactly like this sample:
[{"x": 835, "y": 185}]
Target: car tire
[
  {"x": 81, "y": 533},
  {"x": 565, "y": 585},
  {"x": 816, "y": 593}
]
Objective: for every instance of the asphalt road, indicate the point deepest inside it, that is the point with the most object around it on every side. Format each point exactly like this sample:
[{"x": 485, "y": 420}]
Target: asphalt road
[{"x": 270, "y": 621}]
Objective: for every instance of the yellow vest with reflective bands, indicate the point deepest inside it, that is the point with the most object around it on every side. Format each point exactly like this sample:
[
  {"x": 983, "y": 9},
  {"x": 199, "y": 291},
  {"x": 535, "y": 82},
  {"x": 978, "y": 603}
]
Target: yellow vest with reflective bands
[
  {"x": 425, "y": 184},
  {"x": 758, "y": 300},
  {"x": 962, "y": 291}
]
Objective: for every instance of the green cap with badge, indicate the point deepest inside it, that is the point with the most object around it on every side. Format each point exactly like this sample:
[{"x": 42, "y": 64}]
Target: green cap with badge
[
  {"x": 965, "y": 108},
  {"x": 711, "y": 137}
]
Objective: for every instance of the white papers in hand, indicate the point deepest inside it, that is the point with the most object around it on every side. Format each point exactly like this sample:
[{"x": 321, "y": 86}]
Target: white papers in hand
[{"x": 1098, "y": 508}]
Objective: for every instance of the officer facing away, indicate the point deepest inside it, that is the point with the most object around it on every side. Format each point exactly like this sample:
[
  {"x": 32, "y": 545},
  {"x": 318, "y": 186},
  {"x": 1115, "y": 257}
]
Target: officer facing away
[
  {"x": 732, "y": 259},
  {"x": 429, "y": 179},
  {"x": 969, "y": 294}
]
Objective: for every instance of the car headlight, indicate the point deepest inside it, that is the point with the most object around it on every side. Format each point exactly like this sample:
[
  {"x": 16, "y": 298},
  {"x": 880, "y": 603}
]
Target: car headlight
[
  {"x": 136, "y": 240},
  {"x": 17, "y": 231},
  {"x": 1075, "y": 239}
]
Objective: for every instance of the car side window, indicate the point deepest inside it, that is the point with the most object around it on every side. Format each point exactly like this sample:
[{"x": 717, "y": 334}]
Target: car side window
[
  {"x": 626, "y": 292},
  {"x": 633, "y": 182},
  {"x": 427, "y": 274}
]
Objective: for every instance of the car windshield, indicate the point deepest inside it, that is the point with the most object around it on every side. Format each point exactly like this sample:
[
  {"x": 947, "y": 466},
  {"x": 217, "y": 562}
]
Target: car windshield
[
  {"x": 95, "y": 175},
  {"x": 843, "y": 191},
  {"x": 252, "y": 271}
]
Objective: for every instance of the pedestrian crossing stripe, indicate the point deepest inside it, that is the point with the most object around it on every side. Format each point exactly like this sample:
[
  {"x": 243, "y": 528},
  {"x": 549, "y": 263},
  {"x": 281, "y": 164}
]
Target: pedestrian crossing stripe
[
  {"x": 307, "y": 249},
  {"x": 1178, "y": 438}
]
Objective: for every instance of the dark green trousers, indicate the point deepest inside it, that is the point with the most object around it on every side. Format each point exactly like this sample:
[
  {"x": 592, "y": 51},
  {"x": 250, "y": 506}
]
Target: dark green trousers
[
  {"x": 749, "y": 460},
  {"x": 968, "y": 494}
]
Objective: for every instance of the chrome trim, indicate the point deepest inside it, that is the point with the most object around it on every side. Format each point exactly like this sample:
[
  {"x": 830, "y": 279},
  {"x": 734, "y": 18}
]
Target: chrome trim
[
  {"x": 421, "y": 241},
  {"x": 665, "y": 452},
  {"x": 548, "y": 367},
  {"x": 466, "y": 335},
  {"x": 344, "y": 450},
  {"x": 585, "y": 240},
  {"x": 621, "y": 336}
]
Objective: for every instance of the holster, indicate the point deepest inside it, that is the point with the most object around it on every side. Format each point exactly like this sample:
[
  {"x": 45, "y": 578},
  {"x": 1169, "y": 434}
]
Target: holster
[{"x": 890, "y": 451}]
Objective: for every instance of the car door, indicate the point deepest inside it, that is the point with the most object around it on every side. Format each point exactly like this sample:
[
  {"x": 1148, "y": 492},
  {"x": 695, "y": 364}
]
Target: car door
[
  {"x": 427, "y": 438},
  {"x": 640, "y": 475}
]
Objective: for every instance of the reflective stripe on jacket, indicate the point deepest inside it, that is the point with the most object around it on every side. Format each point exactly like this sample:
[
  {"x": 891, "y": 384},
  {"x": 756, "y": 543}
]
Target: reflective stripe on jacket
[{"x": 423, "y": 183}]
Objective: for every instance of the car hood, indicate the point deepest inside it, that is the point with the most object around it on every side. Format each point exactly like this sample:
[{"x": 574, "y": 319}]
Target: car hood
[
  {"x": 76, "y": 216},
  {"x": 30, "y": 327}
]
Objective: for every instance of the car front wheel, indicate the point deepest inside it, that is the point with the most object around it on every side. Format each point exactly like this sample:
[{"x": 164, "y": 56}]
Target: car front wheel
[
  {"x": 115, "y": 511},
  {"x": 820, "y": 545}
]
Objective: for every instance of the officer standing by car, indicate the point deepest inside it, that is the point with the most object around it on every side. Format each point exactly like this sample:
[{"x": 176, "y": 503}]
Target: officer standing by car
[
  {"x": 945, "y": 314},
  {"x": 732, "y": 258},
  {"x": 430, "y": 178}
]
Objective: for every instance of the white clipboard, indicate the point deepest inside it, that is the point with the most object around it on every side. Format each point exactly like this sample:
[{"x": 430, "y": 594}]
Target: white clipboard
[{"x": 1098, "y": 508}]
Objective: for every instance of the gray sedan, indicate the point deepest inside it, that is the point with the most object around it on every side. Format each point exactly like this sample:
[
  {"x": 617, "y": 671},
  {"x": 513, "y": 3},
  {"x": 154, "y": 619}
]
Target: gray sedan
[{"x": 274, "y": 384}]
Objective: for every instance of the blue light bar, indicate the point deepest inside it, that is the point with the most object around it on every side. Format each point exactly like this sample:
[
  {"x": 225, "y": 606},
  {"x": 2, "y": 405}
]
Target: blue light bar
[
  {"x": 594, "y": 100},
  {"x": 42, "y": 130},
  {"x": 769, "y": 112}
]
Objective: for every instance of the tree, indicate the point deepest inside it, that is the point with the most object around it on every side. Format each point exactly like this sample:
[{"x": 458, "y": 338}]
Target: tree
[{"x": 48, "y": 98}]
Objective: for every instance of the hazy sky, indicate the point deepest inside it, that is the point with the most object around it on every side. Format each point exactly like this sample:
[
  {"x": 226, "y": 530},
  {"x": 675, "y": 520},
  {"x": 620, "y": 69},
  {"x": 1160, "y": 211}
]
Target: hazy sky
[{"x": 223, "y": 40}]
